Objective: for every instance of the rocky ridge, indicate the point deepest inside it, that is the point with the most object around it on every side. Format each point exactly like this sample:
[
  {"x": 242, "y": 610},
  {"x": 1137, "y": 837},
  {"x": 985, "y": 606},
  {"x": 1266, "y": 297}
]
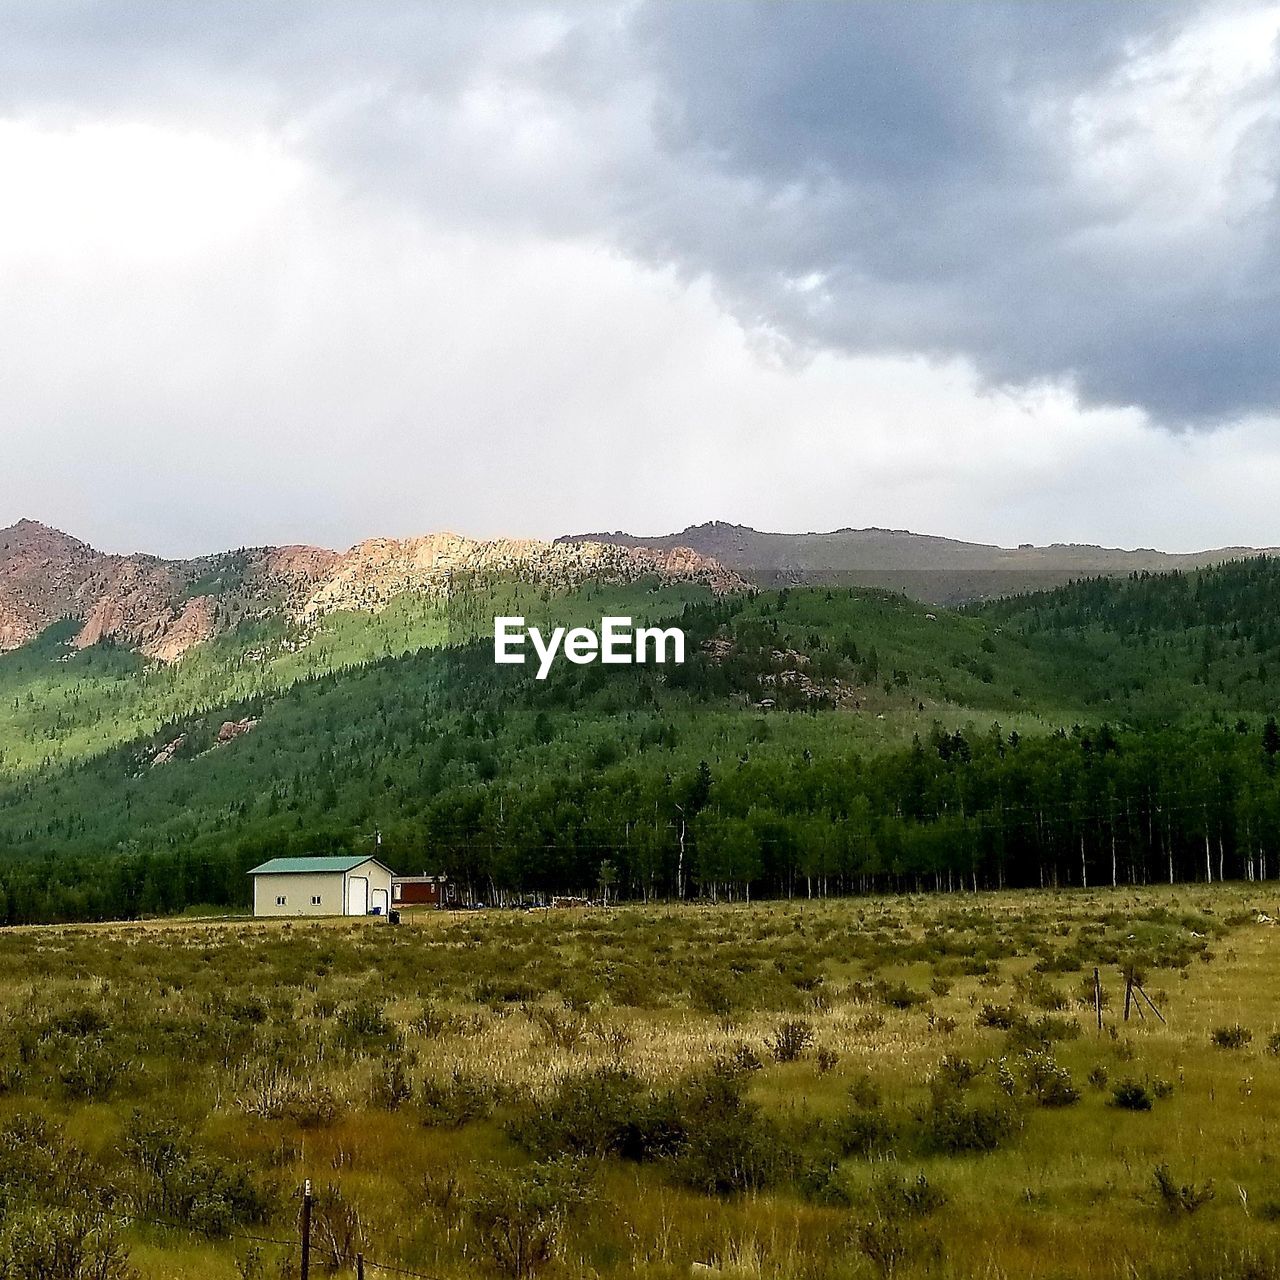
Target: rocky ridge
[{"x": 164, "y": 607}]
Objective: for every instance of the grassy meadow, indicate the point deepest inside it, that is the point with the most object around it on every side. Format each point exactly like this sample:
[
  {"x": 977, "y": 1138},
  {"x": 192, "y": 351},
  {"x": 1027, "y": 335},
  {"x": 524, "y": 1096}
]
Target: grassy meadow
[{"x": 909, "y": 1086}]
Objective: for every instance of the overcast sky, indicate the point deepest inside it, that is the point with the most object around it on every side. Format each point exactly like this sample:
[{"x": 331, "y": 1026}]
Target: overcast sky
[{"x": 298, "y": 271}]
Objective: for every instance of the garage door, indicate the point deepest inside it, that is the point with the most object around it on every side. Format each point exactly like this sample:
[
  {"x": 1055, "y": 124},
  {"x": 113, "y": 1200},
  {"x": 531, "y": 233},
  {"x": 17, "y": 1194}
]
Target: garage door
[
  {"x": 380, "y": 903},
  {"x": 358, "y": 895}
]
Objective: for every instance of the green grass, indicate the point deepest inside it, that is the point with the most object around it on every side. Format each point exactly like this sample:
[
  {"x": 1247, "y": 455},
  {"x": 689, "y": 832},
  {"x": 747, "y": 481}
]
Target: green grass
[{"x": 267, "y": 1048}]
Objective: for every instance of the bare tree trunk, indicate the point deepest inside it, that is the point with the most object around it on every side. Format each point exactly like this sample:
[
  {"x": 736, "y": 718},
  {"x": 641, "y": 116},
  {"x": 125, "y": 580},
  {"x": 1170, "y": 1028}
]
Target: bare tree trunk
[{"x": 680, "y": 864}]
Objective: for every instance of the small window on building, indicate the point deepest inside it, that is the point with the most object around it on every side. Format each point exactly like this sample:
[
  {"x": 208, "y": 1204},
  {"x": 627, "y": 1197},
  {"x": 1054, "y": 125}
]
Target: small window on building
[
  {"x": 315, "y": 899},
  {"x": 280, "y": 902}
]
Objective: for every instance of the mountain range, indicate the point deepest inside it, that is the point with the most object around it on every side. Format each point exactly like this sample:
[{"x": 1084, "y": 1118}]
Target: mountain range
[
  {"x": 928, "y": 568},
  {"x": 163, "y": 607},
  {"x": 816, "y": 729}
]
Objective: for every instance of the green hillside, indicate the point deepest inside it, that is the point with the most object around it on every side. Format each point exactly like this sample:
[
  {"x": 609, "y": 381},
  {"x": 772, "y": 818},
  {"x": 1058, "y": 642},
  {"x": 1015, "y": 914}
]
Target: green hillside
[{"x": 816, "y": 740}]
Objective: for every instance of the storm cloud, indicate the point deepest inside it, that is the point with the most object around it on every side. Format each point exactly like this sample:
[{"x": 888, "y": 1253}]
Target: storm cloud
[{"x": 512, "y": 238}]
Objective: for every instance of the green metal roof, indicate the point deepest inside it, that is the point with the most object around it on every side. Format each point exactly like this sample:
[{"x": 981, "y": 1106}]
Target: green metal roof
[{"x": 284, "y": 866}]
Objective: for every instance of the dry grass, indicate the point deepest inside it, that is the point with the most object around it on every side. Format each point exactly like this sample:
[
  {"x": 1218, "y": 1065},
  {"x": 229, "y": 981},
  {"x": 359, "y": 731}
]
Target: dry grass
[{"x": 519, "y": 1004}]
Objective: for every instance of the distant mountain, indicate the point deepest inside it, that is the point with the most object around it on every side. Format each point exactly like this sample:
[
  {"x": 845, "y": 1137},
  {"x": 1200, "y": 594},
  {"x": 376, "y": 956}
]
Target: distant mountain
[
  {"x": 163, "y": 607},
  {"x": 934, "y": 569}
]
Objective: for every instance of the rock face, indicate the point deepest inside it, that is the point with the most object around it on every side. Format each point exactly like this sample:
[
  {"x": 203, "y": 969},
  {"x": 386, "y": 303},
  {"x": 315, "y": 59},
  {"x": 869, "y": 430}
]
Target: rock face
[{"x": 164, "y": 607}]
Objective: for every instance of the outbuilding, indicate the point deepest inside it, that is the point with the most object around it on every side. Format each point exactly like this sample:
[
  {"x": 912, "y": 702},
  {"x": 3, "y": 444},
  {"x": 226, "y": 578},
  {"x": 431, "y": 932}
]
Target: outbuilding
[
  {"x": 422, "y": 891},
  {"x": 353, "y": 885}
]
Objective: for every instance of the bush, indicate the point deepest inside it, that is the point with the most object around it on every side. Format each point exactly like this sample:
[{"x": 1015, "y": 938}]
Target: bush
[
  {"x": 723, "y": 1142},
  {"x": 312, "y": 1107},
  {"x": 520, "y": 1215},
  {"x": 955, "y": 1072},
  {"x": 177, "y": 1182},
  {"x": 363, "y": 1027},
  {"x": 1235, "y": 1037},
  {"x": 951, "y": 1124},
  {"x": 743, "y": 1059},
  {"x": 897, "y": 1198},
  {"x": 37, "y": 1162},
  {"x": 392, "y": 1084},
  {"x": 1047, "y": 1082},
  {"x": 899, "y": 995},
  {"x": 459, "y": 1100},
  {"x": 93, "y": 1070},
  {"x": 607, "y": 1111},
  {"x": 38, "y": 1243},
  {"x": 864, "y": 1133},
  {"x": 791, "y": 1040},
  {"x": 1176, "y": 1199},
  {"x": 1130, "y": 1095}
]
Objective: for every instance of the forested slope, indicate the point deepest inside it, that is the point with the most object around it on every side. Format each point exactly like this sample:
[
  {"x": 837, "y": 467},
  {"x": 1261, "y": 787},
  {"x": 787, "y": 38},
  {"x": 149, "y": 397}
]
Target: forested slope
[{"x": 815, "y": 741}]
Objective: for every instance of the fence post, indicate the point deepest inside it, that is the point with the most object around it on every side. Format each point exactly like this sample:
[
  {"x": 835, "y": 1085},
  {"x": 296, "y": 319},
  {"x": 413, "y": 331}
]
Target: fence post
[
  {"x": 1097, "y": 997},
  {"x": 359, "y": 1266},
  {"x": 306, "y": 1229}
]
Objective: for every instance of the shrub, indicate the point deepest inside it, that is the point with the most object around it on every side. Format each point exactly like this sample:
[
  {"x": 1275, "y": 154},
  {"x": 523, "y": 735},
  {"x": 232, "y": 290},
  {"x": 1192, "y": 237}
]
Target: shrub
[
  {"x": 93, "y": 1070},
  {"x": 363, "y": 1026},
  {"x": 742, "y": 1059},
  {"x": 336, "y": 1231},
  {"x": 392, "y": 1084},
  {"x": 864, "y": 1133},
  {"x": 312, "y": 1106},
  {"x": 897, "y": 1198},
  {"x": 176, "y": 1181},
  {"x": 863, "y": 1090},
  {"x": 1235, "y": 1037},
  {"x": 899, "y": 995},
  {"x": 951, "y": 1124},
  {"x": 885, "y": 1243},
  {"x": 1130, "y": 1095},
  {"x": 1042, "y": 1032},
  {"x": 724, "y": 1143},
  {"x": 465, "y": 1096},
  {"x": 561, "y": 1028},
  {"x": 40, "y": 1242},
  {"x": 607, "y": 1111},
  {"x": 791, "y": 1040},
  {"x": 955, "y": 1072},
  {"x": 520, "y": 1215},
  {"x": 1000, "y": 1017},
  {"x": 1047, "y": 1082},
  {"x": 1178, "y": 1199},
  {"x": 36, "y": 1161}
]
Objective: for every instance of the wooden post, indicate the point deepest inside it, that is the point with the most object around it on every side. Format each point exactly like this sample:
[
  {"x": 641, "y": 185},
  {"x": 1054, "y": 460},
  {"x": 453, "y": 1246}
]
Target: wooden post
[
  {"x": 1097, "y": 997},
  {"x": 1128, "y": 994},
  {"x": 359, "y": 1266},
  {"x": 306, "y": 1229},
  {"x": 1152, "y": 1003}
]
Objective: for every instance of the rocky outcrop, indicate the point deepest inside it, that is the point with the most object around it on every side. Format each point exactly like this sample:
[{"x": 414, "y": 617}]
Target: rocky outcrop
[{"x": 164, "y": 607}]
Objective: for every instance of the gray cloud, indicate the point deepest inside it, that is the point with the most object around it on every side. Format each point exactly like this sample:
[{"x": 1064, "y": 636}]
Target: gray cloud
[
  {"x": 277, "y": 270},
  {"x": 915, "y": 163},
  {"x": 879, "y": 177}
]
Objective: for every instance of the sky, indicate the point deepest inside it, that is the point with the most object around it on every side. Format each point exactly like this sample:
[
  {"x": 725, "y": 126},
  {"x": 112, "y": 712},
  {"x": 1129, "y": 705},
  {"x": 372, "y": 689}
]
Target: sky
[{"x": 310, "y": 272}]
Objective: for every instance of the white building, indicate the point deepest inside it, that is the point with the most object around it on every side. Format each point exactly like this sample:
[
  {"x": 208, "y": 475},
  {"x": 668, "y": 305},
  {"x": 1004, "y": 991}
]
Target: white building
[{"x": 343, "y": 886}]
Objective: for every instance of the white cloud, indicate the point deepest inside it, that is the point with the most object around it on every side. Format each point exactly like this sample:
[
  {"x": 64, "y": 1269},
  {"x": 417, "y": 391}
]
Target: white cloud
[{"x": 392, "y": 303}]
